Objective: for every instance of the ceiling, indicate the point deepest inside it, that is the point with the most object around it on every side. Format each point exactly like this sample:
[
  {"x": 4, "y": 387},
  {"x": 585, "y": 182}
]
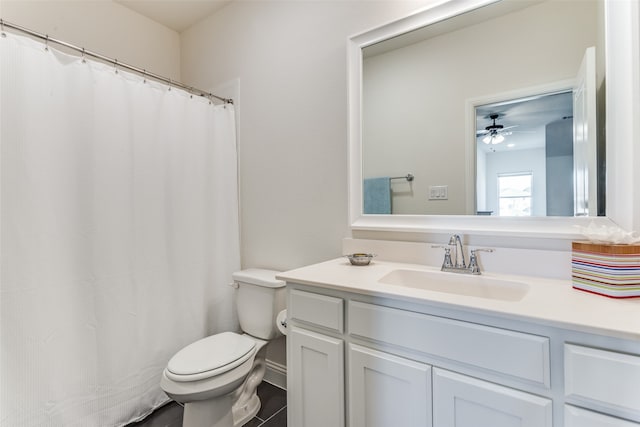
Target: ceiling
[
  {"x": 526, "y": 118},
  {"x": 175, "y": 14}
]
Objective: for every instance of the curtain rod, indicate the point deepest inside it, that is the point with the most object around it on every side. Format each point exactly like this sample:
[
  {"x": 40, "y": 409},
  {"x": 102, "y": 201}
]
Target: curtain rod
[{"x": 114, "y": 62}]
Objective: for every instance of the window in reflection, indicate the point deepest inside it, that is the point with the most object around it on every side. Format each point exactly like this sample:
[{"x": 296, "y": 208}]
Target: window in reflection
[{"x": 515, "y": 194}]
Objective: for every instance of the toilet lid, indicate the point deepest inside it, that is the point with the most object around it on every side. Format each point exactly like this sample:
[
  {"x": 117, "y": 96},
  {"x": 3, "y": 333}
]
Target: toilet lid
[{"x": 210, "y": 356}]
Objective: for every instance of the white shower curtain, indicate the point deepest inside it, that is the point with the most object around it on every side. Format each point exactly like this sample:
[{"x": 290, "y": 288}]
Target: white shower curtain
[{"x": 119, "y": 234}]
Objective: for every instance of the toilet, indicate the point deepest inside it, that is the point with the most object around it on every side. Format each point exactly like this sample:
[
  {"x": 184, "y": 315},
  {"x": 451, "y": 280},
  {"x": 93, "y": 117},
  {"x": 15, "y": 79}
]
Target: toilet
[{"x": 216, "y": 378}]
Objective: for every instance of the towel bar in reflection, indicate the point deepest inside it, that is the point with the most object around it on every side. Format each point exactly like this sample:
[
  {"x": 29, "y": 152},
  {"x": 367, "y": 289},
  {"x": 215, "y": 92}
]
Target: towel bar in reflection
[{"x": 408, "y": 177}]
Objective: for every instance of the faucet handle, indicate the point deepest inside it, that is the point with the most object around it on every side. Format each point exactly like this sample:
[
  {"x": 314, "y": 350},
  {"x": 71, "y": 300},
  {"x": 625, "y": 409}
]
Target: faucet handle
[
  {"x": 446, "y": 263},
  {"x": 473, "y": 251},
  {"x": 473, "y": 259}
]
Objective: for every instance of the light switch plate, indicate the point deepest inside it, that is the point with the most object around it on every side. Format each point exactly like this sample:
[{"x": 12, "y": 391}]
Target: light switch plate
[{"x": 438, "y": 192}]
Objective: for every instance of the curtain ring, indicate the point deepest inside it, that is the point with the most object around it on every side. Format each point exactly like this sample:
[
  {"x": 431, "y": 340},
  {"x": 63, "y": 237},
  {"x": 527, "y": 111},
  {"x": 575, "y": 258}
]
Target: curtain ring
[
  {"x": 115, "y": 65},
  {"x": 2, "y": 28},
  {"x": 144, "y": 76},
  {"x": 170, "y": 83},
  {"x": 84, "y": 60},
  {"x": 46, "y": 43}
]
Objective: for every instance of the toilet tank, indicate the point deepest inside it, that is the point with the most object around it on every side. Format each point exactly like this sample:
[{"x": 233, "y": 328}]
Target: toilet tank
[{"x": 259, "y": 300}]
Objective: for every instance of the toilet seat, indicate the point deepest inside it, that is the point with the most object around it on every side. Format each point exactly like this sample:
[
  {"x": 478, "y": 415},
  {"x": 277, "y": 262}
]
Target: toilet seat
[{"x": 210, "y": 356}]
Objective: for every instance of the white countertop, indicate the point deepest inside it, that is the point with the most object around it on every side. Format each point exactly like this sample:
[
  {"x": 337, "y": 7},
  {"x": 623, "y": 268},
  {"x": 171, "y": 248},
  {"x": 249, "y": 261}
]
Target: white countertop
[{"x": 551, "y": 302}]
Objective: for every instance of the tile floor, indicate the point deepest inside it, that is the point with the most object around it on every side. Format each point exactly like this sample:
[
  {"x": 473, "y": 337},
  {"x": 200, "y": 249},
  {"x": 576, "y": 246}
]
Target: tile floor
[{"x": 273, "y": 412}]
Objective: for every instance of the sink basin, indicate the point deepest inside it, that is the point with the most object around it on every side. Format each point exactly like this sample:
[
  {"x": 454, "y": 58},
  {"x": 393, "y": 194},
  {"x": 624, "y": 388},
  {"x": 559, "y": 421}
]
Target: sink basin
[{"x": 459, "y": 284}]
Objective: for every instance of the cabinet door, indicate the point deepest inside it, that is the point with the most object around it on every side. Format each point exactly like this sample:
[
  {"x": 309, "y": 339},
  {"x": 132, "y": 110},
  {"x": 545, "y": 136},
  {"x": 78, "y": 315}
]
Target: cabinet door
[
  {"x": 576, "y": 417},
  {"x": 461, "y": 401},
  {"x": 316, "y": 380},
  {"x": 386, "y": 390},
  {"x": 603, "y": 380}
]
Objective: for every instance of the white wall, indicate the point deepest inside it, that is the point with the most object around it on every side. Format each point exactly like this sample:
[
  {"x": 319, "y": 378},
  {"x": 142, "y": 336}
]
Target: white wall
[
  {"x": 290, "y": 59},
  {"x": 103, "y": 27}
]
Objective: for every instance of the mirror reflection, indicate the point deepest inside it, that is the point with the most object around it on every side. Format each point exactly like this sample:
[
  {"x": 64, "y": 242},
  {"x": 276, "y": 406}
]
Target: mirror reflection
[{"x": 493, "y": 112}]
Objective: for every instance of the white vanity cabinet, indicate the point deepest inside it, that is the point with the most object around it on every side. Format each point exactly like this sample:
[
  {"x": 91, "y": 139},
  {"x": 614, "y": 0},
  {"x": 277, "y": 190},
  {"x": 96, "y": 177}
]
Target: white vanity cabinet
[
  {"x": 315, "y": 380},
  {"x": 359, "y": 360},
  {"x": 462, "y": 401},
  {"x": 387, "y": 390},
  {"x": 315, "y": 360},
  {"x": 578, "y": 417},
  {"x": 608, "y": 381}
]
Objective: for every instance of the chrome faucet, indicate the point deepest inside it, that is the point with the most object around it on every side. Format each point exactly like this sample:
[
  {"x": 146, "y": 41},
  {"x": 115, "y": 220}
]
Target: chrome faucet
[
  {"x": 457, "y": 263},
  {"x": 458, "y": 251}
]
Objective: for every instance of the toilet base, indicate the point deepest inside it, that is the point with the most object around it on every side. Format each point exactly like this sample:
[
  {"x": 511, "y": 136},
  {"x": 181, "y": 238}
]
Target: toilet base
[
  {"x": 209, "y": 413},
  {"x": 242, "y": 415},
  {"x": 246, "y": 401}
]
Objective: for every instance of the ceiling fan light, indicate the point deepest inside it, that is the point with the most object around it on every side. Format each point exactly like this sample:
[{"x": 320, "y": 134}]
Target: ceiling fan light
[
  {"x": 487, "y": 139},
  {"x": 497, "y": 139}
]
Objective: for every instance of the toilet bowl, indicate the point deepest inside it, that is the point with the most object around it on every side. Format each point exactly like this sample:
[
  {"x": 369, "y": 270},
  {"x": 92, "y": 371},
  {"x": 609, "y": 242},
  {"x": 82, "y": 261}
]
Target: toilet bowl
[{"x": 216, "y": 378}]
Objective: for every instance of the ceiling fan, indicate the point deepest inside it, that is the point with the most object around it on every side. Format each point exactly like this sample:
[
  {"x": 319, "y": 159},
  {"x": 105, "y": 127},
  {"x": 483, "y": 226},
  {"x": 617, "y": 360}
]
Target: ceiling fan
[{"x": 494, "y": 133}]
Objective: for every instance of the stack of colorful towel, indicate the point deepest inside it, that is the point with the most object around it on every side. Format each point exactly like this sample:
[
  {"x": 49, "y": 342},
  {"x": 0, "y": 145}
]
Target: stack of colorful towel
[{"x": 610, "y": 270}]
